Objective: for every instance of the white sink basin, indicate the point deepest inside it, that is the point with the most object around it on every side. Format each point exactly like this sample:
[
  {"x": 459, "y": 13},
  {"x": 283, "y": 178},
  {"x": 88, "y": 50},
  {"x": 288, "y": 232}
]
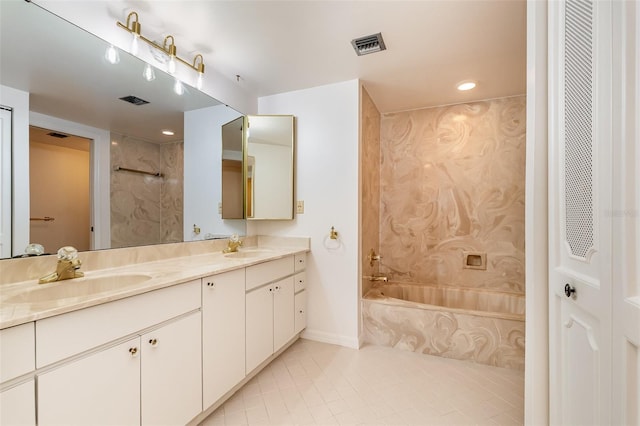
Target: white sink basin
[
  {"x": 248, "y": 253},
  {"x": 78, "y": 287}
]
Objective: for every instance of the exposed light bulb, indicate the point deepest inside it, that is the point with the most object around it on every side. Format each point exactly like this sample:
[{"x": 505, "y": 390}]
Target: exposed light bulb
[
  {"x": 111, "y": 55},
  {"x": 168, "y": 132},
  {"x": 171, "y": 67},
  {"x": 148, "y": 73},
  {"x": 134, "y": 44},
  {"x": 178, "y": 87},
  {"x": 199, "y": 81}
]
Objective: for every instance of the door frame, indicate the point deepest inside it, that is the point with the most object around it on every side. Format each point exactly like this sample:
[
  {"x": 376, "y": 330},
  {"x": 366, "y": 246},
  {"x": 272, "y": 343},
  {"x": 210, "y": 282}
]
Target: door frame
[
  {"x": 537, "y": 206},
  {"x": 100, "y": 173}
]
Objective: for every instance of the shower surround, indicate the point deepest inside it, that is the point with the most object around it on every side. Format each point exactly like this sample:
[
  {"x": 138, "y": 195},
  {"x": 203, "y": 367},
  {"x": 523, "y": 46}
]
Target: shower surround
[
  {"x": 146, "y": 209},
  {"x": 451, "y": 181}
]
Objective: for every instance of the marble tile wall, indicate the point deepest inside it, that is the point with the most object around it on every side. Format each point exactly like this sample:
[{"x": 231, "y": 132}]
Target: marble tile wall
[
  {"x": 370, "y": 181},
  {"x": 145, "y": 209},
  {"x": 171, "y": 199},
  {"x": 458, "y": 335},
  {"x": 452, "y": 180}
]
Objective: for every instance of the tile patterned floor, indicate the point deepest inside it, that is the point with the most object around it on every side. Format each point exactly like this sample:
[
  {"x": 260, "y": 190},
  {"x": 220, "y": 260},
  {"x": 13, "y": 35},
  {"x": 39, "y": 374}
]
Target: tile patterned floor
[{"x": 320, "y": 384}]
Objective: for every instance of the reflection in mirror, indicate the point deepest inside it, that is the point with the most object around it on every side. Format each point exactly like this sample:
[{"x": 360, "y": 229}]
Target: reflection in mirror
[
  {"x": 56, "y": 160},
  {"x": 64, "y": 83},
  {"x": 269, "y": 154},
  {"x": 232, "y": 189}
]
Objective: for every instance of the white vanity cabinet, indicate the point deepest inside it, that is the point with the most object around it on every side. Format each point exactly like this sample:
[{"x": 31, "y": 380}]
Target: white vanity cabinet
[
  {"x": 150, "y": 374},
  {"x": 270, "y": 305},
  {"x": 101, "y": 388},
  {"x": 171, "y": 376},
  {"x": 18, "y": 404},
  {"x": 17, "y": 363},
  {"x": 223, "y": 334},
  {"x": 300, "y": 302}
]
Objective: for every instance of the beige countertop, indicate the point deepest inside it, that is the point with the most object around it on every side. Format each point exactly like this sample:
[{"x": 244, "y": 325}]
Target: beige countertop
[{"x": 26, "y": 301}]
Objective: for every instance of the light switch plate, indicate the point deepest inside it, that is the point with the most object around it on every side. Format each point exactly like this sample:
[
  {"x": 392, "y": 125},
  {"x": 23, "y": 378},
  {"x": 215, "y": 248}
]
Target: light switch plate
[{"x": 300, "y": 207}]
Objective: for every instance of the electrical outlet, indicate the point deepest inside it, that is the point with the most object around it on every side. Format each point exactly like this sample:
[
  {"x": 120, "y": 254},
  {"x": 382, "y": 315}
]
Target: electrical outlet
[
  {"x": 220, "y": 208},
  {"x": 300, "y": 207}
]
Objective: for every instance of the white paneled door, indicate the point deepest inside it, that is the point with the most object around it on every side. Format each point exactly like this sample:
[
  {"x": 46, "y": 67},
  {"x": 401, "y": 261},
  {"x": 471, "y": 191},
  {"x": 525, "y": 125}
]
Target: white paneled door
[{"x": 593, "y": 175}]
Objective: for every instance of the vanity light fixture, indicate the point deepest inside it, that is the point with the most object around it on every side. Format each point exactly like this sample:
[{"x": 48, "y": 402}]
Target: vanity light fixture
[
  {"x": 168, "y": 47},
  {"x": 466, "y": 85},
  {"x": 199, "y": 66},
  {"x": 135, "y": 31},
  {"x": 171, "y": 50}
]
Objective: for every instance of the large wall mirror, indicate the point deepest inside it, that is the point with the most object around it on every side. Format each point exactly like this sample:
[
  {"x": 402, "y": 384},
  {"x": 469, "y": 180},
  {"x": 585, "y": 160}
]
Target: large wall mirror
[
  {"x": 137, "y": 184},
  {"x": 232, "y": 171},
  {"x": 258, "y": 160},
  {"x": 269, "y": 166}
]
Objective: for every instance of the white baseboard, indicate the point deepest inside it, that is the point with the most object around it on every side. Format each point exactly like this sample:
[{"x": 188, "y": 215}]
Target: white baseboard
[{"x": 334, "y": 339}]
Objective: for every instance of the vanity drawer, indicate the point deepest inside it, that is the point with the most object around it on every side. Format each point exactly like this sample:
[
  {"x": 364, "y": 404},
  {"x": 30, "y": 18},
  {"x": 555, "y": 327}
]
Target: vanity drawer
[
  {"x": 65, "y": 335},
  {"x": 299, "y": 282},
  {"x": 267, "y": 272},
  {"x": 300, "y": 262},
  {"x": 17, "y": 351}
]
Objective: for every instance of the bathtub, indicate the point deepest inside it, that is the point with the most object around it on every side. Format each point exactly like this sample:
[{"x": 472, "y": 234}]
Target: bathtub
[{"x": 483, "y": 326}]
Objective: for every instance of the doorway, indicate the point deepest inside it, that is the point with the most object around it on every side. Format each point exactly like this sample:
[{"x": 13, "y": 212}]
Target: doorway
[{"x": 60, "y": 189}]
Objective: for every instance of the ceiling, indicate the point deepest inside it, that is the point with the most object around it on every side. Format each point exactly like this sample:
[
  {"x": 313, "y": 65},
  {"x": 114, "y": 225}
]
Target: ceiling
[{"x": 280, "y": 46}]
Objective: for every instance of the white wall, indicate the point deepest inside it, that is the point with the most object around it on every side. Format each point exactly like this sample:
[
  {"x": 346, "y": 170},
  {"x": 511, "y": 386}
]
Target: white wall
[
  {"x": 203, "y": 173},
  {"x": 19, "y": 101},
  {"x": 327, "y": 164}
]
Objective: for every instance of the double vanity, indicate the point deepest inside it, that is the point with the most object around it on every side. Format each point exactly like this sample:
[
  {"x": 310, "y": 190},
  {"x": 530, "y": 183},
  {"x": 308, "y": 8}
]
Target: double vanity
[{"x": 164, "y": 340}]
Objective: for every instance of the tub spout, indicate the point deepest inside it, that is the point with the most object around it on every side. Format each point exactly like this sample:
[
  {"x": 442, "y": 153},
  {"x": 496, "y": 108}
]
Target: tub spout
[{"x": 377, "y": 278}]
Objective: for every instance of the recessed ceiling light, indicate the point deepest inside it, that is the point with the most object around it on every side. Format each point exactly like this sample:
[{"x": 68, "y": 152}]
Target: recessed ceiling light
[
  {"x": 466, "y": 85},
  {"x": 168, "y": 132}
]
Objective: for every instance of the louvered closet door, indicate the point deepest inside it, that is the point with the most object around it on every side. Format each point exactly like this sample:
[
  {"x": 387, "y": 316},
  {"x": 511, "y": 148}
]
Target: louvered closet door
[{"x": 580, "y": 194}]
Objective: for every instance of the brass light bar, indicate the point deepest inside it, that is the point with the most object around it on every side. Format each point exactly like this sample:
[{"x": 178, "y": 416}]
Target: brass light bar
[{"x": 169, "y": 49}]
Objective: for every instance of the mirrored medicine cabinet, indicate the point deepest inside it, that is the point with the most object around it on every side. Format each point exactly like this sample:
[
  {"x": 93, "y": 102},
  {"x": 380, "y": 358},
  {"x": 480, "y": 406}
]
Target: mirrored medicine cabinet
[{"x": 258, "y": 162}]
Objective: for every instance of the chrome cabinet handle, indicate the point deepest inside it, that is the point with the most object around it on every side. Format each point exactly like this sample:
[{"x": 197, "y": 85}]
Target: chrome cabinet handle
[
  {"x": 570, "y": 291},
  {"x": 153, "y": 342},
  {"x": 133, "y": 351}
]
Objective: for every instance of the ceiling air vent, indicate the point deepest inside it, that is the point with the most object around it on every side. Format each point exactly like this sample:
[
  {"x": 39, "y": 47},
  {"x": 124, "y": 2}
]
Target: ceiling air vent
[
  {"x": 134, "y": 100},
  {"x": 369, "y": 44},
  {"x": 57, "y": 135}
]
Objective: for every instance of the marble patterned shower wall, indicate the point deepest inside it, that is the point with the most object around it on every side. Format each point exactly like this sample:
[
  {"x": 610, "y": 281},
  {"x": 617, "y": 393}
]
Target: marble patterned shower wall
[
  {"x": 171, "y": 201},
  {"x": 452, "y": 181},
  {"x": 370, "y": 166},
  {"x": 145, "y": 209}
]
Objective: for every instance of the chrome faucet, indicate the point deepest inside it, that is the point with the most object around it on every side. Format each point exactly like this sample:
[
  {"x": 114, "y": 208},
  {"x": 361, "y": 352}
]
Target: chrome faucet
[
  {"x": 67, "y": 267},
  {"x": 233, "y": 244}
]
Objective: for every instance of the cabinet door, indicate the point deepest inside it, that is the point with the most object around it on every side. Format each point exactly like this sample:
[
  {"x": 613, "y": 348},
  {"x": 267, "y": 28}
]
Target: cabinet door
[
  {"x": 103, "y": 388},
  {"x": 17, "y": 351},
  {"x": 18, "y": 405},
  {"x": 223, "y": 334},
  {"x": 283, "y": 309},
  {"x": 300, "y": 321},
  {"x": 259, "y": 305},
  {"x": 172, "y": 372}
]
